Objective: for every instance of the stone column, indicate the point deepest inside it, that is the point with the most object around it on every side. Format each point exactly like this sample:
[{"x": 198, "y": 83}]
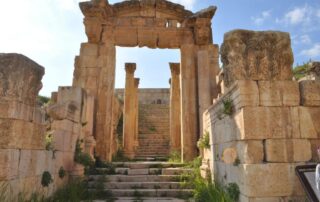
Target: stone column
[
  {"x": 128, "y": 113},
  {"x": 136, "y": 110},
  {"x": 175, "y": 111},
  {"x": 204, "y": 83},
  {"x": 189, "y": 112},
  {"x": 214, "y": 69}
]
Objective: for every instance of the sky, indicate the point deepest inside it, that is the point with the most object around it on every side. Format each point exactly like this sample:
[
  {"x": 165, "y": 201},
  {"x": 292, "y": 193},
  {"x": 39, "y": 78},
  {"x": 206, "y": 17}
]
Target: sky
[{"x": 50, "y": 32}]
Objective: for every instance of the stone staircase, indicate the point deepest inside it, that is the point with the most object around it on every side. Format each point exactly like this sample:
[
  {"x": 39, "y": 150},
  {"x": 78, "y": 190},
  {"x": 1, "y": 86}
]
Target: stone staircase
[
  {"x": 142, "y": 181},
  {"x": 154, "y": 131}
]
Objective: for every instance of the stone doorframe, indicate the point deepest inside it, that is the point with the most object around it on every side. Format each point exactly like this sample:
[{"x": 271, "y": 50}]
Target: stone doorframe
[{"x": 153, "y": 24}]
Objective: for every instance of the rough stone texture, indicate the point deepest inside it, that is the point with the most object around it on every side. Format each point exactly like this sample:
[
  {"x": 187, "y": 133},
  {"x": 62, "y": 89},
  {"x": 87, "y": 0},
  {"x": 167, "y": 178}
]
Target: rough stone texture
[
  {"x": 309, "y": 122},
  {"x": 310, "y": 93},
  {"x": 148, "y": 95},
  {"x": 249, "y": 55},
  {"x": 20, "y": 78},
  {"x": 291, "y": 150},
  {"x": 279, "y": 93}
]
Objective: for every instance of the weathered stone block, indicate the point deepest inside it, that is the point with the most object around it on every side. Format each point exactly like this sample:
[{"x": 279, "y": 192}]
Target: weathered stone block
[
  {"x": 290, "y": 150},
  {"x": 147, "y": 37},
  {"x": 16, "y": 110},
  {"x": 269, "y": 122},
  {"x": 244, "y": 93},
  {"x": 18, "y": 134},
  {"x": 93, "y": 28},
  {"x": 272, "y": 199},
  {"x": 250, "y": 55},
  {"x": 279, "y": 179},
  {"x": 315, "y": 143},
  {"x": 126, "y": 36},
  {"x": 86, "y": 61},
  {"x": 240, "y": 152},
  {"x": 89, "y": 49},
  {"x": 9, "y": 161},
  {"x": 310, "y": 93},
  {"x": 66, "y": 125},
  {"x": 309, "y": 122},
  {"x": 68, "y": 93},
  {"x": 168, "y": 38},
  {"x": 69, "y": 110},
  {"x": 20, "y": 78},
  {"x": 279, "y": 93}
]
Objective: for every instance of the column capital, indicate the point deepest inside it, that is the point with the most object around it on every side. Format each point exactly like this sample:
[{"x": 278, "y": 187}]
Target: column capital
[
  {"x": 130, "y": 67},
  {"x": 136, "y": 82},
  {"x": 175, "y": 68}
]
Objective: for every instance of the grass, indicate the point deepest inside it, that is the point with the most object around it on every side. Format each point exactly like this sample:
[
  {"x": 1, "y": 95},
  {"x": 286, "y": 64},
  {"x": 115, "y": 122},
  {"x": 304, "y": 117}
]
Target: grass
[
  {"x": 204, "y": 141},
  {"x": 175, "y": 157}
]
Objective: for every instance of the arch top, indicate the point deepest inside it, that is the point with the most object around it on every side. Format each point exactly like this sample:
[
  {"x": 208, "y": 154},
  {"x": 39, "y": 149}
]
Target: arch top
[{"x": 142, "y": 8}]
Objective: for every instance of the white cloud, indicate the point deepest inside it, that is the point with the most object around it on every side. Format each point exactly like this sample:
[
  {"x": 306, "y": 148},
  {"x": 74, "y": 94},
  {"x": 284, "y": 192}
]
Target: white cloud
[
  {"x": 314, "y": 51},
  {"x": 296, "y": 16},
  {"x": 259, "y": 20},
  {"x": 305, "y": 39}
]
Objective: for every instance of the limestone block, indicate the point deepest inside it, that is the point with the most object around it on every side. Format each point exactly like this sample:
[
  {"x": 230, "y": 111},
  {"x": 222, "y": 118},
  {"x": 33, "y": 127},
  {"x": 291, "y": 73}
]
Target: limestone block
[
  {"x": 309, "y": 122},
  {"x": 89, "y": 49},
  {"x": 290, "y": 150},
  {"x": 20, "y": 78},
  {"x": 18, "y": 134},
  {"x": 147, "y": 37},
  {"x": 250, "y": 55},
  {"x": 64, "y": 140},
  {"x": 243, "y": 151},
  {"x": 69, "y": 110},
  {"x": 68, "y": 93},
  {"x": 225, "y": 129},
  {"x": 66, "y": 125},
  {"x": 93, "y": 28},
  {"x": 315, "y": 143},
  {"x": 244, "y": 93},
  {"x": 279, "y": 93},
  {"x": 68, "y": 161},
  {"x": 39, "y": 115},
  {"x": 27, "y": 167},
  {"x": 127, "y": 36},
  {"x": 168, "y": 38},
  {"x": 310, "y": 93},
  {"x": 272, "y": 199},
  {"x": 9, "y": 161},
  {"x": 269, "y": 123},
  {"x": 16, "y": 110},
  {"x": 86, "y": 61},
  {"x": 269, "y": 180}
]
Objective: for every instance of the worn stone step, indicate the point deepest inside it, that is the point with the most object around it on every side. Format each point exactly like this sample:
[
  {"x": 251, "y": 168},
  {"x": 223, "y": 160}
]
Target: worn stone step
[
  {"x": 151, "y": 192},
  {"x": 137, "y": 178},
  {"x": 141, "y": 185},
  {"x": 144, "y": 199},
  {"x": 147, "y": 164}
]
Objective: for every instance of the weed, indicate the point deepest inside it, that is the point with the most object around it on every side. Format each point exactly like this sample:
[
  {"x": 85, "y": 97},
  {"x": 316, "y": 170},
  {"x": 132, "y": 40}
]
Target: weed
[
  {"x": 46, "y": 179},
  {"x": 236, "y": 161},
  {"x": 49, "y": 141},
  {"x": 233, "y": 191},
  {"x": 62, "y": 172},
  {"x": 204, "y": 141},
  {"x": 227, "y": 106},
  {"x": 175, "y": 157},
  {"x": 82, "y": 158}
]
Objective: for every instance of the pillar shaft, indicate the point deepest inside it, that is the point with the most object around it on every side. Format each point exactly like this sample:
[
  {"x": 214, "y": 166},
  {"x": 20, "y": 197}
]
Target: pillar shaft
[
  {"x": 136, "y": 110},
  {"x": 204, "y": 84},
  {"x": 128, "y": 114},
  {"x": 189, "y": 112},
  {"x": 175, "y": 108}
]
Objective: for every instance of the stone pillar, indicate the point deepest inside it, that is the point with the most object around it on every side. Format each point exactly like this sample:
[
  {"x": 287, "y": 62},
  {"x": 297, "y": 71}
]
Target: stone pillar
[
  {"x": 175, "y": 108},
  {"x": 213, "y": 51},
  {"x": 136, "y": 110},
  {"x": 104, "y": 126},
  {"x": 128, "y": 113},
  {"x": 204, "y": 84},
  {"x": 189, "y": 114}
]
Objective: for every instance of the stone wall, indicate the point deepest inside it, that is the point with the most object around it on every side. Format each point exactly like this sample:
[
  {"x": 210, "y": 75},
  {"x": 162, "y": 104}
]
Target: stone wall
[
  {"x": 24, "y": 126},
  {"x": 273, "y": 125},
  {"x": 149, "y": 95}
]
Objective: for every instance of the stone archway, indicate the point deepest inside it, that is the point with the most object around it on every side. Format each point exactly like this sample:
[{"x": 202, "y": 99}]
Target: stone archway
[{"x": 153, "y": 24}]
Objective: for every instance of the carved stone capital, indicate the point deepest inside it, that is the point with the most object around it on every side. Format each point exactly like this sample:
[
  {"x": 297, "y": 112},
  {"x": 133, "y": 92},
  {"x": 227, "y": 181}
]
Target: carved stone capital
[
  {"x": 175, "y": 68},
  {"x": 130, "y": 68}
]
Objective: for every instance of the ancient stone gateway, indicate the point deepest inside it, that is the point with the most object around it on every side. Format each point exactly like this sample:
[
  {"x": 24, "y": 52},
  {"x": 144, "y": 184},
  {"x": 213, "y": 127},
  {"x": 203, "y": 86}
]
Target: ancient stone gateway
[{"x": 153, "y": 24}]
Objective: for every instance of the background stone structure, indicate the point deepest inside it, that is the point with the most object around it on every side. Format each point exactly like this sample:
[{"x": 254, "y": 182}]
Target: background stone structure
[
  {"x": 148, "y": 95},
  {"x": 153, "y": 24},
  {"x": 274, "y": 124}
]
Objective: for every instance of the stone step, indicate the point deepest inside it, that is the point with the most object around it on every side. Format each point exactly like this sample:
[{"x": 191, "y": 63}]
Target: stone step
[
  {"x": 144, "y": 199},
  {"x": 146, "y": 171},
  {"x": 137, "y": 178},
  {"x": 141, "y": 185},
  {"x": 151, "y": 192},
  {"x": 147, "y": 164}
]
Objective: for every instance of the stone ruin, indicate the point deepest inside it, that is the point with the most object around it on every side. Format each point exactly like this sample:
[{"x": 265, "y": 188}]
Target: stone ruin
[{"x": 260, "y": 121}]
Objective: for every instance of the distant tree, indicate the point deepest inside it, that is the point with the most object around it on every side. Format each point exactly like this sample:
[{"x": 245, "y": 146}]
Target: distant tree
[
  {"x": 43, "y": 100},
  {"x": 301, "y": 71}
]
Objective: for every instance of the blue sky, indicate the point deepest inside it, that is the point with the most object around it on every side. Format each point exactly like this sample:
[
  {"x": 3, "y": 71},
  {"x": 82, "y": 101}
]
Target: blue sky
[{"x": 50, "y": 32}]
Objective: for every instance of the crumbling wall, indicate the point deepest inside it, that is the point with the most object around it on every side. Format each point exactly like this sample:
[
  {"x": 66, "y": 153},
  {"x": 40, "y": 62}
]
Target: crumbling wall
[
  {"x": 273, "y": 124},
  {"x": 25, "y": 130}
]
